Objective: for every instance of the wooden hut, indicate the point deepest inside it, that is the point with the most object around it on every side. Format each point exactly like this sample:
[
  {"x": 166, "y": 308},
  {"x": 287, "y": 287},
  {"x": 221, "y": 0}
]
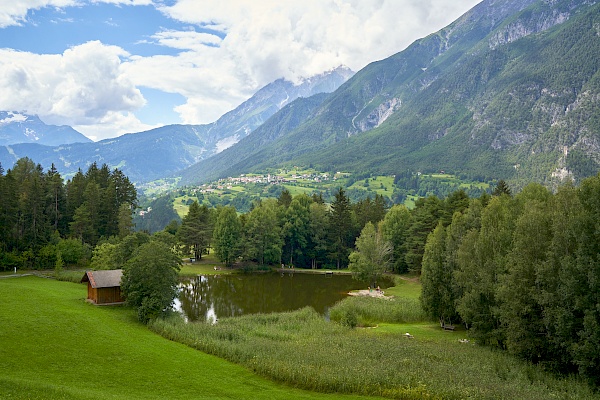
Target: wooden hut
[{"x": 104, "y": 287}]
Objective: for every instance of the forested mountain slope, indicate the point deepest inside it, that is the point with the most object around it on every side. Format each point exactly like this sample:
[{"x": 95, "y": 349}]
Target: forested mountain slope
[{"x": 509, "y": 90}]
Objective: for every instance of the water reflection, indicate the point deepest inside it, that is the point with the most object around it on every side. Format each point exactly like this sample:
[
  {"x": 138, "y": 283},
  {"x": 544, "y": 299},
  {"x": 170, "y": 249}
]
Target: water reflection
[{"x": 217, "y": 296}]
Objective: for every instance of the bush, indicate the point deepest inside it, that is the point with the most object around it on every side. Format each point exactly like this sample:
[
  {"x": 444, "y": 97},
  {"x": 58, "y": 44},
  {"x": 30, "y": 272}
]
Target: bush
[
  {"x": 348, "y": 318},
  {"x": 10, "y": 261},
  {"x": 74, "y": 252}
]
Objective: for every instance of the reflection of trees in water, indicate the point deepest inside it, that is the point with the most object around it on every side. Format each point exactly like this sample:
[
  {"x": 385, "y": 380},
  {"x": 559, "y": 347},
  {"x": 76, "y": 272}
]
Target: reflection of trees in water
[
  {"x": 233, "y": 295},
  {"x": 200, "y": 294},
  {"x": 193, "y": 295}
]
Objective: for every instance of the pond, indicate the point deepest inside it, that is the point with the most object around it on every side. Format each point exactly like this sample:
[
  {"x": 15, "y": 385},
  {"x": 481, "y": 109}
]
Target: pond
[{"x": 216, "y": 296}]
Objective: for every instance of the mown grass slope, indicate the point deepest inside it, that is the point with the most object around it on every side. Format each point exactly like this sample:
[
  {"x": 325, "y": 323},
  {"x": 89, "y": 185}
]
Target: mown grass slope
[{"x": 53, "y": 345}]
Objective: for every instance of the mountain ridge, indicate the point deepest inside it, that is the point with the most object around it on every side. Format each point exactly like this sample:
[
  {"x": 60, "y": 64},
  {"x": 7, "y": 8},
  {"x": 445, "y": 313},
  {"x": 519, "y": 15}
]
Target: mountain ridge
[
  {"x": 461, "y": 100},
  {"x": 160, "y": 152},
  {"x": 18, "y": 128}
]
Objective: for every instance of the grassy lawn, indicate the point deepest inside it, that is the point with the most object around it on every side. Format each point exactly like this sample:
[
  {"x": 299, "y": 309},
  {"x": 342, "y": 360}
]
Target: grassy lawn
[
  {"x": 422, "y": 331},
  {"x": 407, "y": 286},
  {"x": 410, "y": 201},
  {"x": 54, "y": 345},
  {"x": 382, "y": 185},
  {"x": 295, "y": 190},
  {"x": 206, "y": 266}
]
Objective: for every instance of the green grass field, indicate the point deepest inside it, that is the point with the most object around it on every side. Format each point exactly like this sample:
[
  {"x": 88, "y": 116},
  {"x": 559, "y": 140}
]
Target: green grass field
[
  {"x": 54, "y": 345},
  {"x": 206, "y": 266},
  {"x": 180, "y": 205}
]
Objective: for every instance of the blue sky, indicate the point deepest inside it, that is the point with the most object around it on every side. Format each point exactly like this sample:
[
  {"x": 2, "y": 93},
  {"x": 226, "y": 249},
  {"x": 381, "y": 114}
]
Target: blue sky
[{"x": 109, "y": 67}]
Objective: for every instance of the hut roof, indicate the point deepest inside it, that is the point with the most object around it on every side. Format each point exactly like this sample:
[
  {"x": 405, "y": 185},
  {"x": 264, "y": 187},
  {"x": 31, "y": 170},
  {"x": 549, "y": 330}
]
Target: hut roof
[{"x": 102, "y": 279}]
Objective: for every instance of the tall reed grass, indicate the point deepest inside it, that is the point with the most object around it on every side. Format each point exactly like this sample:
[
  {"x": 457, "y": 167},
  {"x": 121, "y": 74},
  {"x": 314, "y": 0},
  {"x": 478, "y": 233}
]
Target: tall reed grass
[
  {"x": 368, "y": 311},
  {"x": 69, "y": 276},
  {"x": 303, "y": 350}
]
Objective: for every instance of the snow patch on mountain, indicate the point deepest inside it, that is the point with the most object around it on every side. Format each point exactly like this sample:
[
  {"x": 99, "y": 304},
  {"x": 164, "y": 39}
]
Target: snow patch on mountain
[{"x": 12, "y": 118}]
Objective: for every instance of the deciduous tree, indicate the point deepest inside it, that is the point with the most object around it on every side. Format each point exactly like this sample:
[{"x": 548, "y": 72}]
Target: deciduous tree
[
  {"x": 227, "y": 236},
  {"x": 262, "y": 234},
  {"x": 395, "y": 229},
  {"x": 150, "y": 279},
  {"x": 371, "y": 258}
]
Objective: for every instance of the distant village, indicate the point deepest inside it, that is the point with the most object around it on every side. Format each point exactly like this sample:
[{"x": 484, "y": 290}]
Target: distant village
[{"x": 228, "y": 183}]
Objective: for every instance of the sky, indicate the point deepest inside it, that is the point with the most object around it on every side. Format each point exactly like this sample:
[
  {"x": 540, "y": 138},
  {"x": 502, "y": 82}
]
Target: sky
[{"x": 109, "y": 67}]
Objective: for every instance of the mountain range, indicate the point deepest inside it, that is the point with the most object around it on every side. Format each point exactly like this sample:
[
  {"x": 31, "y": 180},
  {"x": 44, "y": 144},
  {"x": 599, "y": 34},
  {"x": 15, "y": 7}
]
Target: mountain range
[
  {"x": 20, "y": 128},
  {"x": 510, "y": 90},
  {"x": 164, "y": 151}
]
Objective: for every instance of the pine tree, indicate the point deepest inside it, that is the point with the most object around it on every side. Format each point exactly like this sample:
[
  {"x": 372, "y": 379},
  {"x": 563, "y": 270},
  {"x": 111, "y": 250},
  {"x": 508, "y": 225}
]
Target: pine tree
[
  {"x": 340, "y": 228},
  {"x": 501, "y": 188},
  {"x": 425, "y": 217},
  {"x": 285, "y": 198},
  {"x": 195, "y": 230},
  {"x": 56, "y": 200}
]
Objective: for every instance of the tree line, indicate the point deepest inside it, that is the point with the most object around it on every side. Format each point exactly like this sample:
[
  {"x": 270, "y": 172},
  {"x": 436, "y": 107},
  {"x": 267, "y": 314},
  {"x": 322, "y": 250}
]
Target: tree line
[
  {"x": 523, "y": 273},
  {"x": 45, "y": 221},
  {"x": 301, "y": 231}
]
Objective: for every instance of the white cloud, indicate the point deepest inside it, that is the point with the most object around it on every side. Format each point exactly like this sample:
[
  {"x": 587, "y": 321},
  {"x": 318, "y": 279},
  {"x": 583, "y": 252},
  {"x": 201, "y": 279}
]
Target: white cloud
[
  {"x": 269, "y": 39},
  {"x": 273, "y": 38},
  {"x": 12, "y": 117},
  {"x": 113, "y": 124},
  {"x": 15, "y": 12},
  {"x": 209, "y": 81},
  {"x": 94, "y": 86},
  {"x": 82, "y": 86},
  {"x": 186, "y": 40},
  {"x": 125, "y": 2}
]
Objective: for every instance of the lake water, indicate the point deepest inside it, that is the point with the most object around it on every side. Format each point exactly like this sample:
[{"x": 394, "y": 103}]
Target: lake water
[{"x": 216, "y": 296}]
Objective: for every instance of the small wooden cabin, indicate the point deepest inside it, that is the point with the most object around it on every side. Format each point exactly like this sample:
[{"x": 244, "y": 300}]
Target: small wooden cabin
[{"x": 104, "y": 287}]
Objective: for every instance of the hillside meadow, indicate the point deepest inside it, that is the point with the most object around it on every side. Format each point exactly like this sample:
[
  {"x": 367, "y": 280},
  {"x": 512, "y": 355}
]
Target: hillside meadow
[{"x": 54, "y": 345}]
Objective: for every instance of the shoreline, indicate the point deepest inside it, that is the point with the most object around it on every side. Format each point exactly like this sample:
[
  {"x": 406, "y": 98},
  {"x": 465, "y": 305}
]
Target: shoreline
[{"x": 370, "y": 293}]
